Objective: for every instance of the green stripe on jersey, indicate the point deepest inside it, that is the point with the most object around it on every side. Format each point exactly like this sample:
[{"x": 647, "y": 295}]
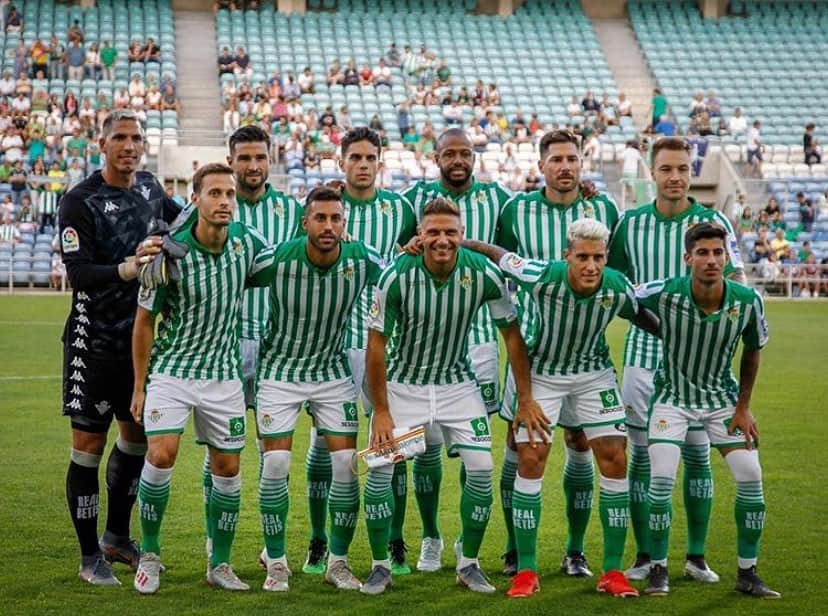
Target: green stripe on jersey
[
  {"x": 535, "y": 228},
  {"x": 383, "y": 221},
  {"x": 479, "y": 207},
  {"x": 311, "y": 308},
  {"x": 647, "y": 247},
  {"x": 428, "y": 321},
  {"x": 570, "y": 336},
  {"x": 696, "y": 370},
  {"x": 278, "y": 217},
  {"x": 198, "y": 334}
]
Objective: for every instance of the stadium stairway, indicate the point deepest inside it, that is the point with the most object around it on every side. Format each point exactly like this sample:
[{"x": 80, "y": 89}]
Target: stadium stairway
[
  {"x": 628, "y": 66},
  {"x": 200, "y": 120}
]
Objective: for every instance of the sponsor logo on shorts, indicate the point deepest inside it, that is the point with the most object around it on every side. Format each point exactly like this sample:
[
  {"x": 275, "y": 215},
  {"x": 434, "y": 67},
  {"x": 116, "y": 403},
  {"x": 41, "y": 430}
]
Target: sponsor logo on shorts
[
  {"x": 480, "y": 427},
  {"x": 266, "y": 419},
  {"x": 487, "y": 390},
  {"x": 621, "y": 427},
  {"x": 237, "y": 426},
  {"x": 349, "y": 410},
  {"x": 610, "y": 401},
  {"x": 736, "y": 431},
  {"x": 69, "y": 241},
  {"x": 154, "y": 416},
  {"x": 661, "y": 425}
]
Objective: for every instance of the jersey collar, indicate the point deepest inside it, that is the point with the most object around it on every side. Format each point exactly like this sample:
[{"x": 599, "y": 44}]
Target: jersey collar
[
  {"x": 474, "y": 187},
  {"x": 713, "y": 317},
  {"x": 242, "y": 201},
  {"x": 555, "y": 204},
  {"x": 693, "y": 208},
  {"x": 348, "y": 199}
]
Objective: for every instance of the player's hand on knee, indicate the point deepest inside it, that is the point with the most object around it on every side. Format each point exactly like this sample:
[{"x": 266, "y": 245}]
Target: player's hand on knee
[
  {"x": 530, "y": 416},
  {"x": 136, "y": 407},
  {"x": 382, "y": 432},
  {"x": 413, "y": 247},
  {"x": 744, "y": 422}
]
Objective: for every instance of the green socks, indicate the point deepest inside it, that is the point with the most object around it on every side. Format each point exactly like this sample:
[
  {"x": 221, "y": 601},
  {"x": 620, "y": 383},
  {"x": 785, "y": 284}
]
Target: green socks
[
  {"x": 639, "y": 477},
  {"x": 153, "y": 495},
  {"x": 399, "y": 487},
  {"x": 343, "y": 502},
  {"x": 378, "y": 509},
  {"x": 225, "y": 500},
  {"x": 578, "y": 480},
  {"x": 613, "y": 505},
  {"x": 526, "y": 512},
  {"x": 698, "y": 495},
  {"x": 660, "y": 498},
  {"x": 507, "y": 482},
  {"x": 428, "y": 473},
  {"x": 274, "y": 500},
  {"x": 475, "y": 510},
  {"x": 318, "y": 475},
  {"x": 206, "y": 489}
]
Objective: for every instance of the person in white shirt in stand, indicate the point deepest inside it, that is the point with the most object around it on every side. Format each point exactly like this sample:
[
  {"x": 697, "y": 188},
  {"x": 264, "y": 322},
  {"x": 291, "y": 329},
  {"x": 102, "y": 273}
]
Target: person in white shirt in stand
[
  {"x": 737, "y": 123},
  {"x": 754, "y": 149},
  {"x": 631, "y": 163}
]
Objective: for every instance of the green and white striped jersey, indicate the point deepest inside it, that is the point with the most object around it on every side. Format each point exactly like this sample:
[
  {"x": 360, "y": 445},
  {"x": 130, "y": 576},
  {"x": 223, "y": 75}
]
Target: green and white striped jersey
[
  {"x": 570, "y": 334},
  {"x": 535, "y": 227},
  {"x": 311, "y": 309},
  {"x": 479, "y": 208},
  {"x": 278, "y": 217},
  {"x": 198, "y": 333},
  {"x": 383, "y": 222},
  {"x": 696, "y": 370},
  {"x": 428, "y": 321},
  {"x": 646, "y": 246}
]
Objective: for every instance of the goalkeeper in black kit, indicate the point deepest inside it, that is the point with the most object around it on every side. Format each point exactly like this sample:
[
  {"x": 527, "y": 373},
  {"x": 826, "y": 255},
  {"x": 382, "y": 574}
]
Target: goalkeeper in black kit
[{"x": 104, "y": 222}]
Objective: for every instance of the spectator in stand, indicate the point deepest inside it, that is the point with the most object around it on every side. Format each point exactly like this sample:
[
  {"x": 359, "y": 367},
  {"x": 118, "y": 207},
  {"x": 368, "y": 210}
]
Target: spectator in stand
[
  {"x": 312, "y": 158},
  {"x": 121, "y": 99},
  {"x": 623, "y": 106},
  {"x": 242, "y": 63},
  {"x": 7, "y": 206},
  {"x": 291, "y": 90},
  {"x": 169, "y": 102},
  {"x": 665, "y": 126},
  {"x": 574, "y": 107},
  {"x": 443, "y": 75},
  {"x": 226, "y": 63},
  {"x": 21, "y": 59},
  {"x": 755, "y": 148},
  {"x": 74, "y": 174},
  {"x": 9, "y": 233},
  {"x": 589, "y": 105},
  {"x": 807, "y": 212},
  {"x": 93, "y": 66},
  {"x": 808, "y": 281},
  {"x": 108, "y": 57},
  {"x": 366, "y": 76},
  {"x": 382, "y": 74},
  {"x": 779, "y": 244},
  {"x": 224, "y": 5},
  {"x": 39, "y": 54},
  {"x": 305, "y": 81},
  {"x": 515, "y": 183},
  {"x": 713, "y": 105},
  {"x": 532, "y": 181},
  {"x": 11, "y": 145},
  {"x": 14, "y": 21},
  {"x": 135, "y": 52},
  {"x": 343, "y": 119},
  {"x": 26, "y": 215},
  {"x": 231, "y": 118},
  {"x": 428, "y": 140},
  {"x": 453, "y": 114},
  {"x": 774, "y": 214},
  {"x": 608, "y": 112},
  {"x": 151, "y": 52},
  {"x": 136, "y": 87},
  {"x": 591, "y": 152},
  {"x": 411, "y": 139},
  {"x": 812, "y": 156},
  {"x": 18, "y": 180},
  {"x": 56, "y": 59},
  {"x": 737, "y": 123},
  {"x": 392, "y": 56},
  {"x": 697, "y": 105},
  {"x": 745, "y": 222},
  {"x": 75, "y": 33},
  {"x": 76, "y": 59},
  {"x": 703, "y": 126},
  {"x": 350, "y": 77},
  {"x": 404, "y": 118},
  {"x": 335, "y": 74},
  {"x": 815, "y": 157},
  {"x": 294, "y": 153},
  {"x": 804, "y": 252},
  {"x": 761, "y": 246},
  {"x": 658, "y": 106},
  {"x": 722, "y": 129},
  {"x": 7, "y": 84},
  {"x": 493, "y": 95}
]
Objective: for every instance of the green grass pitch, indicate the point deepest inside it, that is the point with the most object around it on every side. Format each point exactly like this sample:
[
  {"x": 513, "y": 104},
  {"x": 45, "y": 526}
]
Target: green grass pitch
[{"x": 39, "y": 557}]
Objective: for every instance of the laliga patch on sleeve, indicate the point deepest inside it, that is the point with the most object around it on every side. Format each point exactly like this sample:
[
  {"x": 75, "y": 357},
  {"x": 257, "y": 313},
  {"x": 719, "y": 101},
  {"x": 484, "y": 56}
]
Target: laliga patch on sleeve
[{"x": 69, "y": 241}]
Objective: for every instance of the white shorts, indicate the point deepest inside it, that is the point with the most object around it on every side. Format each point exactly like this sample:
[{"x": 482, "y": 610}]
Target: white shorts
[
  {"x": 332, "y": 404},
  {"x": 250, "y": 367},
  {"x": 589, "y": 401},
  {"x": 457, "y": 409},
  {"x": 670, "y": 424},
  {"x": 636, "y": 391},
  {"x": 486, "y": 368},
  {"x": 218, "y": 410},
  {"x": 356, "y": 360}
]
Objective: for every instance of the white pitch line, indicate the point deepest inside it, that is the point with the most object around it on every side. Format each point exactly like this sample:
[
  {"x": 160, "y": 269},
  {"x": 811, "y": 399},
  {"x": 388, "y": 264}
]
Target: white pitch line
[
  {"x": 48, "y": 323},
  {"x": 39, "y": 377}
]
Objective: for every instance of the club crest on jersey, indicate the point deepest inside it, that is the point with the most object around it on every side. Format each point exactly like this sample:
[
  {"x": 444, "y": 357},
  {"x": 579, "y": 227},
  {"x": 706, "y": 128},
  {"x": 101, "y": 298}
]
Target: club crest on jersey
[
  {"x": 480, "y": 197},
  {"x": 733, "y": 313},
  {"x": 278, "y": 209},
  {"x": 606, "y": 302},
  {"x": 385, "y": 208},
  {"x": 238, "y": 248},
  {"x": 110, "y": 207},
  {"x": 589, "y": 211},
  {"x": 145, "y": 192},
  {"x": 465, "y": 282},
  {"x": 69, "y": 241},
  {"x": 348, "y": 273}
]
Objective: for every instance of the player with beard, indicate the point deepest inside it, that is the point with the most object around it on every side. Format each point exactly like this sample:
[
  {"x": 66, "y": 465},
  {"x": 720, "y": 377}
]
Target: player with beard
[{"x": 534, "y": 225}]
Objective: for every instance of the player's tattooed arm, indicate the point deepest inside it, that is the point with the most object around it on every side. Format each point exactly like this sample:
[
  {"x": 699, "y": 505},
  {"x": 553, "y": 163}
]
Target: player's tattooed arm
[
  {"x": 142, "y": 336},
  {"x": 742, "y": 417},
  {"x": 382, "y": 425},
  {"x": 493, "y": 252},
  {"x": 529, "y": 413}
]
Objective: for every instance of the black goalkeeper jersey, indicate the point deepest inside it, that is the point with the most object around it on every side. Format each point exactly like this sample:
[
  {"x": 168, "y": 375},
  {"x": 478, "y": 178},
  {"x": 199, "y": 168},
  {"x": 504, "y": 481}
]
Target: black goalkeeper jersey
[{"x": 100, "y": 226}]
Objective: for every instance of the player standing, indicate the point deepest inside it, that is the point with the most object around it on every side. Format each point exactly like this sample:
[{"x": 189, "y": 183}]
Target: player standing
[
  {"x": 426, "y": 305},
  {"x": 479, "y": 204},
  {"x": 702, "y": 319},
  {"x": 575, "y": 300},
  {"x": 535, "y": 226},
  {"x": 648, "y": 246},
  {"x": 318, "y": 282},
  {"x": 102, "y": 220},
  {"x": 195, "y": 362}
]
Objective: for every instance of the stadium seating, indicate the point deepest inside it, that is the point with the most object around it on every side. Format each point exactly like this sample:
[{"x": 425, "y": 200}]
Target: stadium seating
[{"x": 769, "y": 62}]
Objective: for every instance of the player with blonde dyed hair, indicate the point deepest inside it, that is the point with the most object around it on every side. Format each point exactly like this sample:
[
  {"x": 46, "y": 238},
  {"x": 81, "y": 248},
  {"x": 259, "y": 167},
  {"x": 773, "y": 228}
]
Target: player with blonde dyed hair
[{"x": 575, "y": 301}]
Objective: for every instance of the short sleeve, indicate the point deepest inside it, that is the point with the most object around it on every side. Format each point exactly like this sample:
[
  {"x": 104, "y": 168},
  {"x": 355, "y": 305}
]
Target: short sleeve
[
  {"x": 629, "y": 305},
  {"x": 506, "y": 227},
  {"x": 649, "y": 294},
  {"x": 386, "y": 307},
  {"x": 376, "y": 264},
  {"x": 732, "y": 242},
  {"x": 408, "y": 229},
  {"x": 153, "y": 299},
  {"x": 526, "y": 272},
  {"x": 498, "y": 298},
  {"x": 618, "y": 259},
  {"x": 755, "y": 335}
]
